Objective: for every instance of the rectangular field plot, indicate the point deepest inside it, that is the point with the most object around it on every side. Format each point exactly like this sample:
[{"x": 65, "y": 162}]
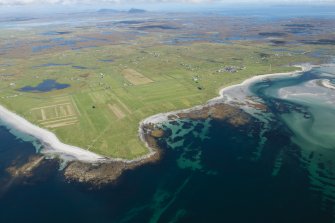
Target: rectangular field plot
[
  {"x": 117, "y": 111},
  {"x": 135, "y": 77},
  {"x": 56, "y": 115}
]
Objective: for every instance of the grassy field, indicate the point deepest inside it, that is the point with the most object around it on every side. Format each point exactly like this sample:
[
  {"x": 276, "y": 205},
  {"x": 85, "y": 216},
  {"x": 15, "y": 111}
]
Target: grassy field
[{"x": 102, "y": 109}]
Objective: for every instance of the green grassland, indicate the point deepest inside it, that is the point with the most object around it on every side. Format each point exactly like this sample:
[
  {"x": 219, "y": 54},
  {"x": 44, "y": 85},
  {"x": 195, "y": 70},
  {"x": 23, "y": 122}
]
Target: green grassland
[{"x": 111, "y": 128}]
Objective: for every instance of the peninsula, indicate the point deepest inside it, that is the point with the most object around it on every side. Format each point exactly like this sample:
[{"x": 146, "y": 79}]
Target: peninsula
[{"x": 84, "y": 94}]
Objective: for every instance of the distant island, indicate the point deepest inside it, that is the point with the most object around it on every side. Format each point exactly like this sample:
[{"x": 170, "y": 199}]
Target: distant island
[{"x": 134, "y": 10}]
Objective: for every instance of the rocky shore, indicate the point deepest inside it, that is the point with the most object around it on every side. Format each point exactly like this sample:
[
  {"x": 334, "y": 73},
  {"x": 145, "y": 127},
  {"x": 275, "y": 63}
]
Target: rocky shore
[
  {"x": 218, "y": 111},
  {"x": 99, "y": 174},
  {"x": 27, "y": 169}
]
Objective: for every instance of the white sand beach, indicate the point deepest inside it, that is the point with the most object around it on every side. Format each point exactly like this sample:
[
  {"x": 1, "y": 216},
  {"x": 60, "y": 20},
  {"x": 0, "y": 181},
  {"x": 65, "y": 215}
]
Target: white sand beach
[{"x": 47, "y": 138}]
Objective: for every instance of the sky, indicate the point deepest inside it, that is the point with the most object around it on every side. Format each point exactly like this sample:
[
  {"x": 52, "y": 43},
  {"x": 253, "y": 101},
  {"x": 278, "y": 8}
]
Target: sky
[{"x": 128, "y": 2}]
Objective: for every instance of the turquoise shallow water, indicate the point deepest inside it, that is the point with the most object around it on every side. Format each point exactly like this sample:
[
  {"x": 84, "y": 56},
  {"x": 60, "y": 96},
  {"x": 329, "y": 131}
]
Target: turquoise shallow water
[{"x": 278, "y": 168}]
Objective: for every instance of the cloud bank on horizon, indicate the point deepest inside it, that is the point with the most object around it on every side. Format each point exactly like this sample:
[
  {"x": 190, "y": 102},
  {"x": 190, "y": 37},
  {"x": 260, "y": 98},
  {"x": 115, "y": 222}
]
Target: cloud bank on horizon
[{"x": 119, "y": 2}]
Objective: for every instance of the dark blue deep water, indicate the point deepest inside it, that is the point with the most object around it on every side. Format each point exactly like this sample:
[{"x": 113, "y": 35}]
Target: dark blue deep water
[{"x": 211, "y": 171}]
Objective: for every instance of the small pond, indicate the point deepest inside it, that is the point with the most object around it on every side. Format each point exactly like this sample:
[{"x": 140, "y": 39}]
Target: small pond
[{"x": 45, "y": 86}]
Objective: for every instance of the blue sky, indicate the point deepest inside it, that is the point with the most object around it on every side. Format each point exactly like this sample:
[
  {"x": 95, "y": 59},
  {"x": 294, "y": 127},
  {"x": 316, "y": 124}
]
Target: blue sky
[{"x": 127, "y": 2}]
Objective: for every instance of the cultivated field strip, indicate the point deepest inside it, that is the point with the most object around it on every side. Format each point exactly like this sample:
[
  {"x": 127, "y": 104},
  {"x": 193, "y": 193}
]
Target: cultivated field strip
[
  {"x": 135, "y": 77},
  {"x": 56, "y": 115}
]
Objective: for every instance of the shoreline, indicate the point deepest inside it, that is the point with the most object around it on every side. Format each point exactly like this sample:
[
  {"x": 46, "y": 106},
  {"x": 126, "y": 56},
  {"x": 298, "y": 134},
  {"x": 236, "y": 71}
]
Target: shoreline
[
  {"x": 53, "y": 146},
  {"x": 303, "y": 68},
  {"x": 164, "y": 116}
]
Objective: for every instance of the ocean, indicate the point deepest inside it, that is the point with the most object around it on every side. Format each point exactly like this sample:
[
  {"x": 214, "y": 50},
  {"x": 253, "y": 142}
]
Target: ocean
[{"x": 279, "y": 167}]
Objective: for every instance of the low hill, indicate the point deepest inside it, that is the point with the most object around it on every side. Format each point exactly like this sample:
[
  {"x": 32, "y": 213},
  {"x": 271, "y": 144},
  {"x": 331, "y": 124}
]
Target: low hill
[{"x": 134, "y": 10}]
